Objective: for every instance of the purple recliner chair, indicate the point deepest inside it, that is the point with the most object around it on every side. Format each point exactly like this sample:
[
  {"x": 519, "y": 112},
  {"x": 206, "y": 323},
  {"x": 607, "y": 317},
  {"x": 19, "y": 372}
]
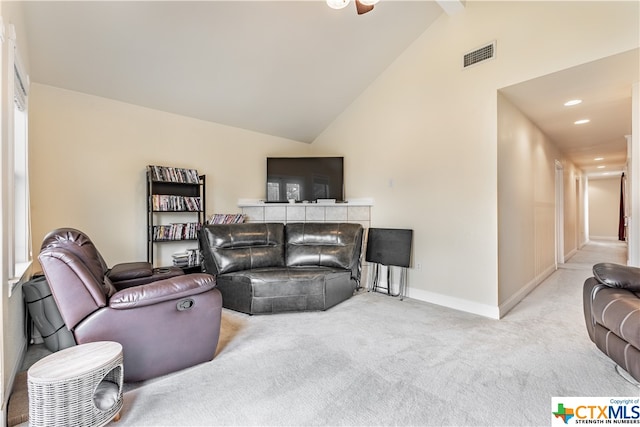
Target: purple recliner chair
[{"x": 164, "y": 325}]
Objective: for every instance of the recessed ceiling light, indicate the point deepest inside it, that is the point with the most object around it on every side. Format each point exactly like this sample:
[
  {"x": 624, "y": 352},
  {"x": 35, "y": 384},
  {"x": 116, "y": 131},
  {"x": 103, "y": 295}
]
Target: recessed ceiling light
[
  {"x": 597, "y": 159},
  {"x": 601, "y": 167},
  {"x": 572, "y": 102},
  {"x": 581, "y": 122}
]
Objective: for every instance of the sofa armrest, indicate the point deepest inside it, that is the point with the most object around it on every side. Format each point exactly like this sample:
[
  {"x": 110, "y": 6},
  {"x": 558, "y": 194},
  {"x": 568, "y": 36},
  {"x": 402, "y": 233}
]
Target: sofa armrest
[
  {"x": 618, "y": 276},
  {"x": 227, "y": 248},
  {"x": 129, "y": 270},
  {"x": 163, "y": 290}
]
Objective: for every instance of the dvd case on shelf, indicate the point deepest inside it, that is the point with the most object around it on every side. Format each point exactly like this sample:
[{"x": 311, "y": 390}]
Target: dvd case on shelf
[
  {"x": 171, "y": 203},
  {"x": 226, "y": 218},
  {"x": 171, "y": 174},
  {"x": 190, "y": 258},
  {"x": 176, "y": 231}
]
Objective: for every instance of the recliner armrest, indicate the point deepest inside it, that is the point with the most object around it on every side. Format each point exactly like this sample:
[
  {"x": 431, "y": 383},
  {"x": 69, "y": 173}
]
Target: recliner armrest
[
  {"x": 618, "y": 276},
  {"x": 129, "y": 270},
  {"x": 163, "y": 290}
]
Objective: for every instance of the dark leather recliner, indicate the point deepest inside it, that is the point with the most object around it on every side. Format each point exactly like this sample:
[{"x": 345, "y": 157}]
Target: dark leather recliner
[
  {"x": 163, "y": 326},
  {"x": 612, "y": 313}
]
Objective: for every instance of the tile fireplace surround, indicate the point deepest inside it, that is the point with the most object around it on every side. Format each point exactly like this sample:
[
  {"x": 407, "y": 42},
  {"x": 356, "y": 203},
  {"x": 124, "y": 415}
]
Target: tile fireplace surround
[{"x": 353, "y": 211}]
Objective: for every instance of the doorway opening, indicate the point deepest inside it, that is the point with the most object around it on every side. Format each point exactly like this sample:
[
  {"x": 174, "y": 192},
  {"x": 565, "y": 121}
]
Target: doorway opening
[{"x": 559, "y": 214}]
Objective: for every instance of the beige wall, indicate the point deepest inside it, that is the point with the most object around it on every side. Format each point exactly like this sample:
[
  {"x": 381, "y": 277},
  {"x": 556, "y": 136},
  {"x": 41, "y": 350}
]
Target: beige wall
[
  {"x": 427, "y": 131},
  {"x": 89, "y": 157},
  {"x": 604, "y": 208}
]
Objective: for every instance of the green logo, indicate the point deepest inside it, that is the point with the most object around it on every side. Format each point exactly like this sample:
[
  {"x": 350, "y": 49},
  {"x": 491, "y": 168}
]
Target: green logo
[{"x": 565, "y": 413}]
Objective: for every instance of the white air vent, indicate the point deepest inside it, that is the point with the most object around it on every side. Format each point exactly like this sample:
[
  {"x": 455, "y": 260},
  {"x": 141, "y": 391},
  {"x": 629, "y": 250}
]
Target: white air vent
[{"x": 481, "y": 54}]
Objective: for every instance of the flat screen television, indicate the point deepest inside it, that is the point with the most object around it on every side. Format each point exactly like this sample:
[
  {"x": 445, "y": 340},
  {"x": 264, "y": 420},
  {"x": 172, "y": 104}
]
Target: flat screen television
[{"x": 305, "y": 179}]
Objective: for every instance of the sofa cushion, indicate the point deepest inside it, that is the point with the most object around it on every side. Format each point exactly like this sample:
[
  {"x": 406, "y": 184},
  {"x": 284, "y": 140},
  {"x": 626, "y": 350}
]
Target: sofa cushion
[
  {"x": 273, "y": 290},
  {"x": 237, "y": 247},
  {"x": 618, "y": 310},
  {"x": 322, "y": 244},
  {"x": 618, "y": 276}
]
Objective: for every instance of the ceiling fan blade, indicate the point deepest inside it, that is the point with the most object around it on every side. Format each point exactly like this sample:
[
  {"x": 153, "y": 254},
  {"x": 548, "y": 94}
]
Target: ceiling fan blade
[{"x": 363, "y": 8}]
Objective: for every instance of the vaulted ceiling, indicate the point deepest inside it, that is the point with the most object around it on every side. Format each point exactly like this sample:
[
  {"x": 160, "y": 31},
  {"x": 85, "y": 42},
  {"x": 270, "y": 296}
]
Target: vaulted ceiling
[
  {"x": 289, "y": 68},
  {"x": 284, "y": 68}
]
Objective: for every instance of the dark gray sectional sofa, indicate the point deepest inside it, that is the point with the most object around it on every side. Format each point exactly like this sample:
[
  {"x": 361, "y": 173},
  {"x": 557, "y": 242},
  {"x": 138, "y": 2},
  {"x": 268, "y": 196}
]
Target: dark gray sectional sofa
[{"x": 275, "y": 267}]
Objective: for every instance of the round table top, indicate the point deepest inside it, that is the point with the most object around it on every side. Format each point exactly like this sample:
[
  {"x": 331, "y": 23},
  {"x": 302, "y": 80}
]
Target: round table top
[{"x": 73, "y": 362}]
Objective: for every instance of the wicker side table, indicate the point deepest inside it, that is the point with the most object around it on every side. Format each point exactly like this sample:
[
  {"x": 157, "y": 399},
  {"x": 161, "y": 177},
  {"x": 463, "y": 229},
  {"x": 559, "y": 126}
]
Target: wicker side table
[{"x": 77, "y": 386}]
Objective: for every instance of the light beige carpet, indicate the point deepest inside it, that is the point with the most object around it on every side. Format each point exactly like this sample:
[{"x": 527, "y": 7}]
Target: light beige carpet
[{"x": 376, "y": 360}]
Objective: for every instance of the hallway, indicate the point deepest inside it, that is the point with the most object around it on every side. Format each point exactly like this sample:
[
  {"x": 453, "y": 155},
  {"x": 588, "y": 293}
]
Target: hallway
[{"x": 596, "y": 251}]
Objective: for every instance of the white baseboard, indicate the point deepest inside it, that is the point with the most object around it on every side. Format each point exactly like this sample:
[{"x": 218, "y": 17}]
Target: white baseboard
[
  {"x": 505, "y": 307},
  {"x": 454, "y": 303},
  {"x": 476, "y": 308},
  {"x": 570, "y": 254}
]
